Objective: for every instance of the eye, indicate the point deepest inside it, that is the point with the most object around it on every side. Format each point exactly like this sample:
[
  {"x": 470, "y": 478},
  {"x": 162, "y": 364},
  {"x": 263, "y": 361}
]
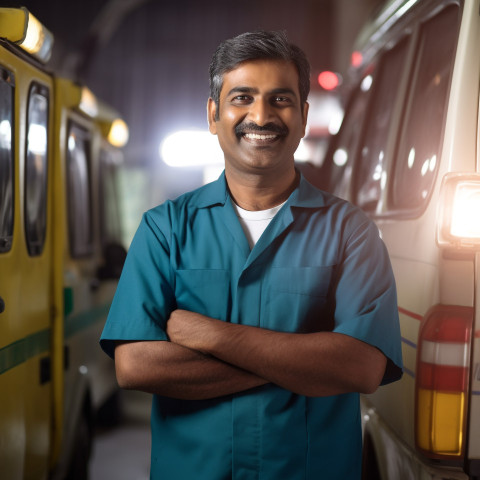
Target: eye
[
  {"x": 282, "y": 100},
  {"x": 241, "y": 99}
]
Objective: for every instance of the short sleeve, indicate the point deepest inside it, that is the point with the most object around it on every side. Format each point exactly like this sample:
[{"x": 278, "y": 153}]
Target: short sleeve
[
  {"x": 366, "y": 299},
  {"x": 144, "y": 297}
]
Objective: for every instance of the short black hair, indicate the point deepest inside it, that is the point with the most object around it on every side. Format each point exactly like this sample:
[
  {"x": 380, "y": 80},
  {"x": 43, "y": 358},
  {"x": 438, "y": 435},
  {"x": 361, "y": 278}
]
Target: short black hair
[{"x": 259, "y": 45}]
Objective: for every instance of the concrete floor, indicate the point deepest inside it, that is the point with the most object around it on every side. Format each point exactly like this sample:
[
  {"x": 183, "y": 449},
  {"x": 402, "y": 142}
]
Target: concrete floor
[{"x": 123, "y": 452}]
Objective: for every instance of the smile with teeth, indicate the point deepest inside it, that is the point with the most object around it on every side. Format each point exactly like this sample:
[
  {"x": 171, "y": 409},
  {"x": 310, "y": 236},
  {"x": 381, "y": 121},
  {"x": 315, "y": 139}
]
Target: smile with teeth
[{"x": 257, "y": 136}]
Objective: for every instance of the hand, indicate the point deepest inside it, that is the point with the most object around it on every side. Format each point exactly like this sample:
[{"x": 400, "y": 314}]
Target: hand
[{"x": 190, "y": 329}]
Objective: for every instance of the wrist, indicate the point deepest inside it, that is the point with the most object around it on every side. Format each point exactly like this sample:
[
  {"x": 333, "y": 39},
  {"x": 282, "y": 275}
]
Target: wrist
[{"x": 214, "y": 336}]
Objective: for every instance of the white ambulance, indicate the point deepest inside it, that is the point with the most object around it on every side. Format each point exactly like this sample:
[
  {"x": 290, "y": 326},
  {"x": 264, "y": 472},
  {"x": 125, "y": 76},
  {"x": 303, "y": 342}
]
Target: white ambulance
[{"x": 408, "y": 154}]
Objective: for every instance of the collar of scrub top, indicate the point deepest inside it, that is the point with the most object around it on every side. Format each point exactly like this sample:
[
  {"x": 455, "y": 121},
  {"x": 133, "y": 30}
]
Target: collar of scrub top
[{"x": 304, "y": 196}]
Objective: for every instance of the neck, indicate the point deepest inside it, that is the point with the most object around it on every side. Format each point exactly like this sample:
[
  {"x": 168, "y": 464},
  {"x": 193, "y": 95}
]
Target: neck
[{"x": 260, "y": 192}]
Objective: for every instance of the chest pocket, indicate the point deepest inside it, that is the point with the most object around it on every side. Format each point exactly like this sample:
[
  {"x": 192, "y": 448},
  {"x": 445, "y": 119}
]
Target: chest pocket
[
  {"x": 203, "y": 291},
  {"x": 299, "y": 299}
]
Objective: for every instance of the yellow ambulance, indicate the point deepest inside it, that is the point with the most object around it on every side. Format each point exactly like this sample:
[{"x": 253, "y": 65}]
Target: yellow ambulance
[
  {"x": 408, "y": 154},
  {"x": 60, "y": 256}
]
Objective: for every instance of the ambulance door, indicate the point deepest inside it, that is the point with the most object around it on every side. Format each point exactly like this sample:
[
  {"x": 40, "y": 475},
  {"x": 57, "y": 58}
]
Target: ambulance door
[
  {"x": 36, "y": 284},
  {"x": 25, "y": 266},
  {"x": 79, "y": 270}
]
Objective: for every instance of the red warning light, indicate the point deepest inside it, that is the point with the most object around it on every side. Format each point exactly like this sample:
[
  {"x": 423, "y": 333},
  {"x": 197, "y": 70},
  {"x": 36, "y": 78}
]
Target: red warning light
[{"x": 328, "y": 80}]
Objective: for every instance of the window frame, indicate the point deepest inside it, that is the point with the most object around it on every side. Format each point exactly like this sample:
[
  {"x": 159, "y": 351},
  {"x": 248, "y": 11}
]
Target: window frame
[
  {"x": 380, "y": 75},
  {"x": 35, "y": 246},
  {"x": 79, "y": 247},
  {"x": 416, "y": 211},
  {"x": 344, "y": 185},
  {"x": 8, "y": 78},
  {"x": 408, "y": 26},
  {"x": 110, "y": 160}
]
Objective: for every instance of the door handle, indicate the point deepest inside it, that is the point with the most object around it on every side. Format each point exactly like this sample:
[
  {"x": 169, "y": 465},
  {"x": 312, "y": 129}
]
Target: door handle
[{"x": 2, "y": 305}]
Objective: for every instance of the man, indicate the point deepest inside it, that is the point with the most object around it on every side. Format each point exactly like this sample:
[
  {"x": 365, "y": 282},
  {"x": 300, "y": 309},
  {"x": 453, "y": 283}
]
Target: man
[{"x": 257, "y": 307}]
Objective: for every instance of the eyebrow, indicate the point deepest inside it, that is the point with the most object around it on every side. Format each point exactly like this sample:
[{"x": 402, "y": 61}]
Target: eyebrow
[{"x": 275, "y": 91}]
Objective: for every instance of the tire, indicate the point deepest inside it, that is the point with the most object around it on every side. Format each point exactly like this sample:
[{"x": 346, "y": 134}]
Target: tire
[
  {"x": 82, "y": 448},
  {"x": 370, "y": 469}
]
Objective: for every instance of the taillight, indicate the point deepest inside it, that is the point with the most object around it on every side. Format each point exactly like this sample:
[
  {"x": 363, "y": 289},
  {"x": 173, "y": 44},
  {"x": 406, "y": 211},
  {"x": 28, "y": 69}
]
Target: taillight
[{"x": 442, "y": 381}]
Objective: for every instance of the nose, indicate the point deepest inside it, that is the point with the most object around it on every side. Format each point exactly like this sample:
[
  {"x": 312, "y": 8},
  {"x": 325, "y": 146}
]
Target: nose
[{"x": 260, "y": 112}]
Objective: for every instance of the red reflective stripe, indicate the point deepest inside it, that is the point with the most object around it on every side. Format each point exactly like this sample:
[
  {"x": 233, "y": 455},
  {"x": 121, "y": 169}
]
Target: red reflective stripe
[
  {"x": 416, "y": 316},
  {"x": 442, "y": 377}
]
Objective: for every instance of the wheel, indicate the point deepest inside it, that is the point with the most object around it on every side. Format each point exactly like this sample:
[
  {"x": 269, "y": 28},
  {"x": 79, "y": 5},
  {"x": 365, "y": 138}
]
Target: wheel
[
  {"x": 82, "y": 448},
  {"x": 110, "y": 414},
  {"x": 369, "y": 460}
]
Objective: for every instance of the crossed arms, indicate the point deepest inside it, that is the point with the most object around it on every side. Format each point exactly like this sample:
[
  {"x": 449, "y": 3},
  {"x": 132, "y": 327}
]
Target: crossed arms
[{"x": 208, "y": 358}]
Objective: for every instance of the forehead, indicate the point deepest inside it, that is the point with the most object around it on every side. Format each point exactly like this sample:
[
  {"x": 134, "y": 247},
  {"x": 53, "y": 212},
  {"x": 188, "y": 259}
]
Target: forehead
[{"x": 262, "y": 75}]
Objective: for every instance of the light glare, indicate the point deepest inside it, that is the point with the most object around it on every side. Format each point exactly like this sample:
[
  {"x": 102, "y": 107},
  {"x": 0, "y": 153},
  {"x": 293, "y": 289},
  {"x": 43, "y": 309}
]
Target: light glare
[
  {"x": 466, "y": 205},
  {"x": 302, "y": 153},
  {"x": 5, "y": 134},
  {"x": 411, "y": 158},
  {"x": 366, "y": 83},
  {"x": 37, "y": 139},
  {"x": 71, "y": 143},
  {"x": 88, "y": 103},
  {"x": 118, "y": 134},
  {"x": 356, "y": 59},
  {"x": 340, "y": 157},
  {"x": 191, "y": 148}
]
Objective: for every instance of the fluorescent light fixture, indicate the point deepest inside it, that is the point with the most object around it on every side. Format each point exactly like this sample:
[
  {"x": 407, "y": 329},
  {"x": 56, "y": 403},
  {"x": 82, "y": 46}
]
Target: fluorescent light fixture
[{"x": 191, "y": 148}]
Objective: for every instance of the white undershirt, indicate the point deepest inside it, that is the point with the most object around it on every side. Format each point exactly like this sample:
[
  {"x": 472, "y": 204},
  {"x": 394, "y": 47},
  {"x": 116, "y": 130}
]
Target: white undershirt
[{"x": 255, "y": 222}]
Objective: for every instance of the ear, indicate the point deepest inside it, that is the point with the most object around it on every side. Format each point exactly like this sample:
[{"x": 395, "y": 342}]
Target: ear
[
  {"x": 305, "y": 117},
  {"x": 211, "y": 113}
]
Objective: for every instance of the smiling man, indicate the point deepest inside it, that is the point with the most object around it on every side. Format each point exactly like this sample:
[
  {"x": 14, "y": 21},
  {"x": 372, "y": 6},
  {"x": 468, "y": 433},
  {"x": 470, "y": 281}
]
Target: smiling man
[
  {"x": 256, "y": 308},
  {"x": 259, "y": 119}
]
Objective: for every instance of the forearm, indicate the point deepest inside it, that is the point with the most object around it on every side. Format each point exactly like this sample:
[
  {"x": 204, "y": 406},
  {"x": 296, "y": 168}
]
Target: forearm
[
  {"x": 167, "y": 369},
  {"x": 315, "y": 364}
]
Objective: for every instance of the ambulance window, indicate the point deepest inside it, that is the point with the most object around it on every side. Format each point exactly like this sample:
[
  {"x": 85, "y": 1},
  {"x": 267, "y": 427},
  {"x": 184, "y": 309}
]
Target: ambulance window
[
  {"x": 6, "y": 160},
  {"x": 110, "y": 218},
  {"x": 370, "y": 175},
  {"x": 339, "y": 160},
  {"x": 419, "y": 147},
  {"x": 79, "y": 191},
  {"x": 36, "y": 169}
]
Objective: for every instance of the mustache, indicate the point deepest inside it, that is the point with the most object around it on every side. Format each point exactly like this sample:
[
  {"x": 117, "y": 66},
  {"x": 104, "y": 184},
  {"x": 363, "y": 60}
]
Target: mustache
[{"x": 245, "y": 127}]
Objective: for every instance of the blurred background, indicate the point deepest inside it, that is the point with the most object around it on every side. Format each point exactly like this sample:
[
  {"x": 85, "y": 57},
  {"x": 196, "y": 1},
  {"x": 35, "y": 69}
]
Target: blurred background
[{"x": 149, "y": 59}]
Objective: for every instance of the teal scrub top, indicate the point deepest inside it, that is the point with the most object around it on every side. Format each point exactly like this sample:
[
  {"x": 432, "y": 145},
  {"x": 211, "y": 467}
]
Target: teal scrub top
[{"x": 319, "y": 266}]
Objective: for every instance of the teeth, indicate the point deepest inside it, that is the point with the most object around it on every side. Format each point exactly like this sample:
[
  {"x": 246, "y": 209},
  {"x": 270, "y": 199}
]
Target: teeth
[{"x": 256, "y": 136}]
